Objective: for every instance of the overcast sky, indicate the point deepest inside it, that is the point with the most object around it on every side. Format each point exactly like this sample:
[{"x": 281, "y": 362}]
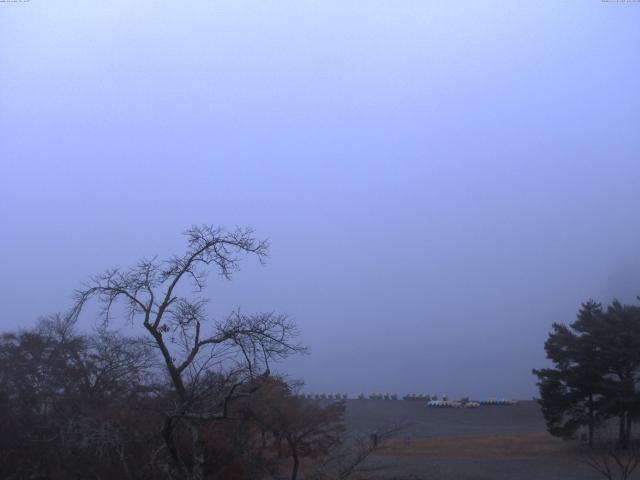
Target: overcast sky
[{"x": 440, "y": 181}]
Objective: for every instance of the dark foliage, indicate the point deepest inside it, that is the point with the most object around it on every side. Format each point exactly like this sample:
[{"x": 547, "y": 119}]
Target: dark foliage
[{"x": 595, "y": 374}]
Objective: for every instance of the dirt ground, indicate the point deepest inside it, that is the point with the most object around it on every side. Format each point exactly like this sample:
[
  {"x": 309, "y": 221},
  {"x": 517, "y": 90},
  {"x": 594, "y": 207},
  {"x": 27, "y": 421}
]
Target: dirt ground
[{"x": 490, "y": 442}]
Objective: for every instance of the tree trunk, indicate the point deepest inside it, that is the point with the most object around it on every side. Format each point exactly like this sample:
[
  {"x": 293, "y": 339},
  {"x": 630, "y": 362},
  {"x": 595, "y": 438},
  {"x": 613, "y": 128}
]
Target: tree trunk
[
  {"x": 591, "y": 421},
  {"x": 294, "y": 453},
  {"x": 198, "y": 456},
  {"x": 296, "y": 465},
  {"x": 628, "y": 430},
  {"x": 623, "y": 434},
  {"x": 168, "y": 436}
]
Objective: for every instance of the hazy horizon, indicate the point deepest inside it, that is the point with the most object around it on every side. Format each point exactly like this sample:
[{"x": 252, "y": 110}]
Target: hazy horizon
[{"x": 440, "y": 182}]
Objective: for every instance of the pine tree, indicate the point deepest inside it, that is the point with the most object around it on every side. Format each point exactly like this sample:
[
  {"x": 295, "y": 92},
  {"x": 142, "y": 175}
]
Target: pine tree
[
  {"x": 596, "y": 371},
  {"x": 571, "y": 392},
  {"x": 616, "y": 334}
]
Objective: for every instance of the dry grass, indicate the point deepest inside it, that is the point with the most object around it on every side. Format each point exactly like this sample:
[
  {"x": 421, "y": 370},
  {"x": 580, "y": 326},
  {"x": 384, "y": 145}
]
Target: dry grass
[{"x": 486, "y": 447}]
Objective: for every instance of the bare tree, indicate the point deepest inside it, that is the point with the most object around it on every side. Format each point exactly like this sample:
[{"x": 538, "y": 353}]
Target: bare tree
[
  {"x": 350, "y": 458},
  {"x": 238, "y": 349},
  {"x": 612, "y": 461},
  {"x": 74, "y": 403}
]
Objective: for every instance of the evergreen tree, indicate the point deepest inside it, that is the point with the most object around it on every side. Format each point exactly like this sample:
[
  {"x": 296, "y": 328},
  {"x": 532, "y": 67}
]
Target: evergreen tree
[
  {"x": 571, "y": 392},
  {"x": 616, "y": 334},
  {"x": 596, "y": 371}
]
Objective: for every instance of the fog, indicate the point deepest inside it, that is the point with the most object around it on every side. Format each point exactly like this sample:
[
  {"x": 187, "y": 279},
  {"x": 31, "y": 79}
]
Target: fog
[{"x": 440, "y": 181}]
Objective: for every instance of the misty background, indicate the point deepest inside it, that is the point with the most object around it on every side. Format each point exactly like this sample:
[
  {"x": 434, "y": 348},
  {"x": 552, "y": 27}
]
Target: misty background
[{"x": 440, "y": 181}]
